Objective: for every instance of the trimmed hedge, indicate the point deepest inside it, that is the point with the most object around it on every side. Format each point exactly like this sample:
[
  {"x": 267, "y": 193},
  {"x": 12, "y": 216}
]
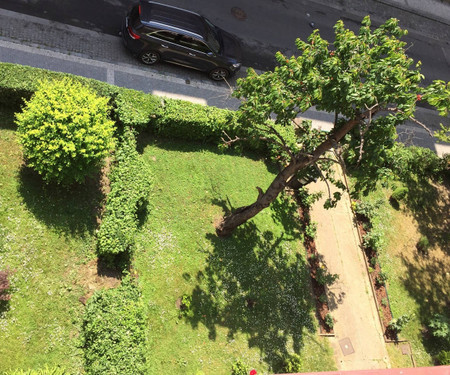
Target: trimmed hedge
[
  {"x": 113, "y": 332},
  {"x": 131, "y": 181},
  {"x": 166, "y": 117}
]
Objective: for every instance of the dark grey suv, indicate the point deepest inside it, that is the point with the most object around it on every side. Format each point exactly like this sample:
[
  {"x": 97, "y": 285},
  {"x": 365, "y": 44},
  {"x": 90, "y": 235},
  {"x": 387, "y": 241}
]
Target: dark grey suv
[{"x": 155, "y": 32}]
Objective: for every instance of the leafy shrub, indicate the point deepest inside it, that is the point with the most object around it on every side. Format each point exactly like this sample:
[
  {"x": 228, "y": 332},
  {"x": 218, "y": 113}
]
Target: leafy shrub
[
  {"x": 400, "y": 193},
  {"x": 397, "y": 324},
  {"x": 384, "y": 302},
  {"x": 368, "y": 209},
  {"x": 292, "y": 363},
  {"x": 239, "y": 368},
  {"x": 373, "y": 240},
  {"x": 329, "y": 321},
  {"x": 130, "y": 187},
  {"x": 323, "y": 277},
  {"x": 311, "y": 230},
  {"x": 45, "y": 371},
  {"x": 382, "y": 278},
  {"x": 136, "y": 108},
  {"x": 440, "y": 327},
  {"x": 415, "y": 163},
  {"x": 423, "y": 245},
  {"x": 65, "y": 131},
  {"x": 4, "y": 286},
  {"x": 113, "y": 331},
  {"x": 444, "y": 357},
  {"x": 195, "y": 122},
  {"x": 373, "y": 261},
  {"x": 186, "y": 306},
  {"x": 323, "y": 298}
]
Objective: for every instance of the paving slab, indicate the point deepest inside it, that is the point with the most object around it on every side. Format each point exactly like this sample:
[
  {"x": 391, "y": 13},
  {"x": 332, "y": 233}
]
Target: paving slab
[{"x": 358, "y": 343}]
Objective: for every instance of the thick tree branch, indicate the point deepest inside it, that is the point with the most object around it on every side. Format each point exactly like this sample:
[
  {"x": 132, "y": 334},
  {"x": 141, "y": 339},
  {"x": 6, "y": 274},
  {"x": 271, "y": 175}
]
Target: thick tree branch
[{"x": 413, "y": 120}]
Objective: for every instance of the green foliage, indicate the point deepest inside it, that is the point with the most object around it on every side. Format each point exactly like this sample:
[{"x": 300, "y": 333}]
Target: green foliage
[
  {"x": 381, "y": 278},
  {"x": 384, "y": 302},
  {"x": 423, "y": 244},
  {"x": 444, "y": 357},
  {"x": 400, "y": 193},
  {"x": 329, "y": 321},
  {"x": 186, "y": 306},
  {"x": 397, "y": 324},
  {"x": 195, "y": 122},
  {"x": 414, "y": 162},
  {"x": 323, "y": 298},
  {"x": 239, "y": 368},
  {"x": 374, "y": 240},
  {"x": 137, "y": 109},
  {"x": 311, "y": 230},
  {"x": 45, "y": 371},
  {"x": 323, "y": 277},
  {"x": 292, "y": 363},
  {"x": 65, "y": 131},
  {"x": 440, "y": 327},
  {"x": 368, "y": 209},
  {"x": 131, "y": 181},
  {"x": 113, "y": 332},
  {"x": 438, "y": 95}
]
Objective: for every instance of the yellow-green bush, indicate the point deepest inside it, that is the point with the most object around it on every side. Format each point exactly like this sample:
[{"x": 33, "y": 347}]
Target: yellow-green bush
[{"x": 65, "y": 131}]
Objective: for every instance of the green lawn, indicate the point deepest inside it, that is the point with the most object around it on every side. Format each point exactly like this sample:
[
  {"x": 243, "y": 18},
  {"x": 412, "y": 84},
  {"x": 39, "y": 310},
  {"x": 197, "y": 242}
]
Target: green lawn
[
  {"x": 44, "y": 235},
  {"x": 250, "y": 294},
  {"x": 261, "y": 265},
  {"x": 417, "y": 284}
]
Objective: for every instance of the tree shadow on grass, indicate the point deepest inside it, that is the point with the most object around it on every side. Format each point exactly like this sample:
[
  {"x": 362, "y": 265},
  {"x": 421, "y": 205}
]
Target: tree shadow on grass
[
  {"x": 72, "y": 210},
  {"x": 426, "y": 280},
  {"x": 7, "y": 118},
  {"x": 430, "y": 204},
  {"x": 255, "y": 285}
]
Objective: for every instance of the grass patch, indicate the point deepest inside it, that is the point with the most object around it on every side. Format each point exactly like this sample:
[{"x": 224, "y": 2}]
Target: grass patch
[
  {"x": 44, "y": 235},
  {"x": 249, "y": 295},
  {"x": 417, "y": 283}
]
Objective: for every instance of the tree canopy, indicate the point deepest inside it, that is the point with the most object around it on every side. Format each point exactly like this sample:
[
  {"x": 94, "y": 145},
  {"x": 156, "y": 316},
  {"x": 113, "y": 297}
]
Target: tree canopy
[{"x": 365, "y": 79}]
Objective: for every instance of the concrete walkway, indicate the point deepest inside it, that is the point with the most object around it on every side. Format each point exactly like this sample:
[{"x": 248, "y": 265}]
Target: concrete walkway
[{"x": 358, "y": 343}]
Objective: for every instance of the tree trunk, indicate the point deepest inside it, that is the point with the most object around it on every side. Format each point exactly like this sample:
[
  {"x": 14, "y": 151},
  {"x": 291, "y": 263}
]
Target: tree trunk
[{"x": 242, "y": 214}]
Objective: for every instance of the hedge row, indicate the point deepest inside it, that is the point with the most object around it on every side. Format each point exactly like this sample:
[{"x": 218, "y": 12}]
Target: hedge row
[
  {"x": 113, "y": 332},
  {"x": 166, "y": 117},
  {"x": 130, "y": 182},
  {"x": 45, "y": 371}
]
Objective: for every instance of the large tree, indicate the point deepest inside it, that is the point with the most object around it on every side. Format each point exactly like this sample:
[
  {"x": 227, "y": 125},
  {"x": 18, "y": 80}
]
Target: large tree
[{"x": 366, "y": 80}]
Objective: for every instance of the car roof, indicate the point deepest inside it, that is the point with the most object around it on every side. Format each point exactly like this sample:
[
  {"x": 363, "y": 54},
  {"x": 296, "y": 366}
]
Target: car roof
[{"x": 158, "y": 15}]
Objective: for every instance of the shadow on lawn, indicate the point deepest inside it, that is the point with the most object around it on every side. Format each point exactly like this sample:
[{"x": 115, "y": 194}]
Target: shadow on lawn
[
  {"x": 72, "y": 211},
  {"x": 253, "y": 285},
  {"x": 426, "y": 280}
]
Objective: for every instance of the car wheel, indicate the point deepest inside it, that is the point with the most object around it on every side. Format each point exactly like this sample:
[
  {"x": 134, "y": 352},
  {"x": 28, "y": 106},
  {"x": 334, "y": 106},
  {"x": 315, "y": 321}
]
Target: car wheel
[
  {"x": 149, "y": 57},
  {"x": 219, "y": 74}
]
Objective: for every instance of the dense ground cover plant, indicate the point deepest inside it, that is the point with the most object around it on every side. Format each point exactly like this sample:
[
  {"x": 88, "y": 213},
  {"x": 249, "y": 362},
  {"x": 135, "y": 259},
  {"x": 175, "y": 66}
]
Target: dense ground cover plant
[
  {"x": 131, "y": 181},
  {"x": 114, "y": 334},
  {"x": 65, "y": 131}
]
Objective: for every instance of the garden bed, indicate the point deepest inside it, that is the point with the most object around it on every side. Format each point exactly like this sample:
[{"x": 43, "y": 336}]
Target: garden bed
[
  {"x": 313, "y": 258},
  {"x": 375, "y": 274}
]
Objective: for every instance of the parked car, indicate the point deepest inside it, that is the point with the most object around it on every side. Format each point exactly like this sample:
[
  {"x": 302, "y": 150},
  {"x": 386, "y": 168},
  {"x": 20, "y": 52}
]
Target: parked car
[{"x": 155, "y": 32}]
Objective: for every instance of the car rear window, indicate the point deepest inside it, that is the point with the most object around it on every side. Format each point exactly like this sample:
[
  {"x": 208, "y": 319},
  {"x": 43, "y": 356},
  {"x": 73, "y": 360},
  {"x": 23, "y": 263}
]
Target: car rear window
[{"x": 135, "y": 20}]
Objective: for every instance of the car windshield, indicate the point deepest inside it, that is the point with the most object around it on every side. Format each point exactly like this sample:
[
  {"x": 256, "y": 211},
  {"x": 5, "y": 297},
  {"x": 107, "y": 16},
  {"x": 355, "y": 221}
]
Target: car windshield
[{"x": 212, "y": 38}]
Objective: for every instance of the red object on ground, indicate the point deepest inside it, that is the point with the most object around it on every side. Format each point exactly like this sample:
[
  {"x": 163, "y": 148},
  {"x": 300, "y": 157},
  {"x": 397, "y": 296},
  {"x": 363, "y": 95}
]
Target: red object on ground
[{"x": 253, "y": 372}]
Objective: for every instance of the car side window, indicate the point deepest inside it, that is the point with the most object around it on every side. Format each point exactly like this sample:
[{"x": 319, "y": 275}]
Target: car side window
[
  {"x": 168, "y": 36},
  {"x": 190, "y": 42}
]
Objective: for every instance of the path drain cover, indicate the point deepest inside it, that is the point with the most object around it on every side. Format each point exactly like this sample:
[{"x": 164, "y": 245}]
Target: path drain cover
[
  {"x": 238, "y": 13},
  {"x": 406, "y": 350},
  {"x": 346, "y": 346}
]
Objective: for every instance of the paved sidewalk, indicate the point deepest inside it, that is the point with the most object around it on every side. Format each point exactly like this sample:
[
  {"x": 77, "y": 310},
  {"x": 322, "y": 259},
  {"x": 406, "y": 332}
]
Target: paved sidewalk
[{"x": 351, "y": 301}]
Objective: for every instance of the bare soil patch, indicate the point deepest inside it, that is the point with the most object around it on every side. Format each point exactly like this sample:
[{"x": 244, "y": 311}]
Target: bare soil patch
[{"x": 94, "y": 276}]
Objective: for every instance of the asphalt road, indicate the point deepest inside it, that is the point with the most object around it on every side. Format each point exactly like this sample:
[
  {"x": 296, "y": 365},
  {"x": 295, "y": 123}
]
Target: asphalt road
[{"x": 264, "y": 26}]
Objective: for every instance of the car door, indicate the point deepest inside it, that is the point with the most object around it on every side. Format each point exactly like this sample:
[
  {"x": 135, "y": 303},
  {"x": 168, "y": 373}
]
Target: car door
[{"x": 196, "y": 54}]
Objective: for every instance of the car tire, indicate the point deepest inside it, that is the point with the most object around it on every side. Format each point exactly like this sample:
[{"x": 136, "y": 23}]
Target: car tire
[
  {"x": 219, "y": 74},
  {"x": 149, "y": 57}
]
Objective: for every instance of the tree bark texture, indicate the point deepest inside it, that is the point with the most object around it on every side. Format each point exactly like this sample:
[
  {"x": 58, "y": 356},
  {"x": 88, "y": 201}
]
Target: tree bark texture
[{"x": 242, "y": 214}]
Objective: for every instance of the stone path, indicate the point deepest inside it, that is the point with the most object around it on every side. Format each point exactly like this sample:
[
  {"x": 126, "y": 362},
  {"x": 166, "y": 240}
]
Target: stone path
[{"x": 358, "y": 343}]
